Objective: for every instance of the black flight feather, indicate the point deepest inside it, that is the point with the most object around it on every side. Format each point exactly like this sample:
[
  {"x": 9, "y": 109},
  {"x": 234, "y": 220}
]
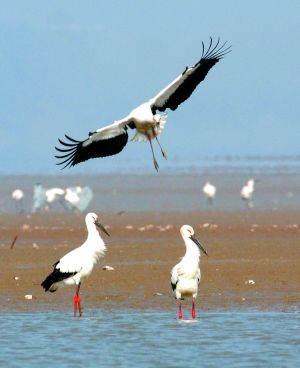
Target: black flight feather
[
  {"x": 209, "y": 58},
  {"x": 78, "y": 151},
  {"x": 55, "y": 276},
  {"x": 174, "y": 285}
]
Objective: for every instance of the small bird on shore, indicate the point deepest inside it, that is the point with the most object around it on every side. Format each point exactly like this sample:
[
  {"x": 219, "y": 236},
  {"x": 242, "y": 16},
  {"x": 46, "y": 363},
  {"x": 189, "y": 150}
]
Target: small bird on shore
[
  {"x": 78, "y": 264},
  {"x": 186, "y": 275},
  {"x": 210, "y": 191},
  {"x": 247, "y": 193},
  {"x": 18, "y": 196},
  {"x": 145, "y": 119}
]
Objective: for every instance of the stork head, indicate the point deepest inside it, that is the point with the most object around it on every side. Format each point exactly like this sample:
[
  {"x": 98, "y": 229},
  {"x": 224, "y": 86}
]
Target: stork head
[
  {"x": 187, "y": 231},
  {"x": 92, "y": 218}
]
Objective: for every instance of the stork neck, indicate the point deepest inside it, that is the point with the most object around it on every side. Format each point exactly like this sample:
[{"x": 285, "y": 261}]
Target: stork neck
[
  {"x": 192, "y": 249},
  {"x": 92, "y": 230},
  {"x": 94, "y": 240}
]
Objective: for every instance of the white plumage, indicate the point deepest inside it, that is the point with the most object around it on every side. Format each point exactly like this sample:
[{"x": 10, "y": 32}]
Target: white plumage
[
  {"x": 210, "y": 191},
  {"x": 148, "y": 119},
  {"x": 18, "y": 196},
  {"x": 186, "y": 275},
  {"x": 247, "y": 192},
  {"x": 53, "y": 195},
  {"x": 72, "y": 195},
  {"x": 78, "y": 264}
]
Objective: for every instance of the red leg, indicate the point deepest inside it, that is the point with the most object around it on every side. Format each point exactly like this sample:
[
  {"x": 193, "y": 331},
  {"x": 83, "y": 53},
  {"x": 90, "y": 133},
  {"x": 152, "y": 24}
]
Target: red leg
[
  {"x": 77, "y": 302},
  {"x": 193, "y": 309},
  {"x": 180, "y": 311}
]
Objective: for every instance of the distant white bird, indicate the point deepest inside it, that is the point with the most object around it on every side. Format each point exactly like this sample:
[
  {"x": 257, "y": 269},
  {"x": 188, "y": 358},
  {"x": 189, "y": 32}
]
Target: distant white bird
[
  {"x": 78, "y": 198},
  {"x": 186, "y": 275},
  {"x": 148, "y": 123},
  {"x": 247, "y": 192},
  {"x": 210, "y": 191},
  {"x": 54, "y": 195},
  {"x": 78, "y": 264},
  {"x": 72, "y": 195},
  {"x": 18, "y": 196}
]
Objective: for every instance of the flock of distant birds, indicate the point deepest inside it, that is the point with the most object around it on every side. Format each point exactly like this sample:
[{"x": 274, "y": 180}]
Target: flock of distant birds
[
  {"x": 246, "y": 192},
  {"x": 75, "y": 198},
  {"x": 148, "y": 121},
  {"x": 71, "y": 198}
]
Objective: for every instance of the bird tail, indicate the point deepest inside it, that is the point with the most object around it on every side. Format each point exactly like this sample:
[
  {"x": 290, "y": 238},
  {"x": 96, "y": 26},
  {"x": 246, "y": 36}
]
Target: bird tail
[
  {"x": 48, "y": 282},
  {"x": 139, "y": 137},
  {"x": 160, "y": 119}
]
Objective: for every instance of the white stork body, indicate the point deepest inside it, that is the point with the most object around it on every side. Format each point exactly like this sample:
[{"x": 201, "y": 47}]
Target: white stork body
[
  {"x": 210, "y": 191},
  {"x": 54, "y": 195},
  {"x": 186, "y": 275},
  {"x": 72, "y": 196},
  {"x": 247, "y": 192},
  {"x": 18, "y": 196},
  {"x": 145, "y": 118},
  {"x": 78, "y": 264}
]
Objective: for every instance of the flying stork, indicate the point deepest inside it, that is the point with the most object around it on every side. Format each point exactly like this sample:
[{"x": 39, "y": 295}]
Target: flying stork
[{"x": 148, "y": 119}]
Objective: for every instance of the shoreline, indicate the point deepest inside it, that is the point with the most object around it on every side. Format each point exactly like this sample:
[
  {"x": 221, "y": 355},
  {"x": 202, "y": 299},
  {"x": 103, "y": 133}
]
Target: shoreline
[{"x": 262, "y": 246}]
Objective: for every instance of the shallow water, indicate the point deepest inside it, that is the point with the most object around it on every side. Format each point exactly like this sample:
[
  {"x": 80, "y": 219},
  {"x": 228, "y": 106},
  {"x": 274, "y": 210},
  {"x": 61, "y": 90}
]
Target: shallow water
[{"x": 150, "y": 339}]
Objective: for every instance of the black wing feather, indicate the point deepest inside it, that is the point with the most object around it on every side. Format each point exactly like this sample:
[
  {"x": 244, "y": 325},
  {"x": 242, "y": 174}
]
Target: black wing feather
[
  {"x": 209, "y": 58},
  {"x": 77, "y": 152},
  {"x": 55, "y": 276},
  {"x": 174, "y": 285}
]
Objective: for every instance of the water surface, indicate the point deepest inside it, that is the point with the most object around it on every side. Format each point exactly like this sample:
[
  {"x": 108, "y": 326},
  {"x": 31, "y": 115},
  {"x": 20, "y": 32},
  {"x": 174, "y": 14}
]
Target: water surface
[{"x": 131, "y": 338}]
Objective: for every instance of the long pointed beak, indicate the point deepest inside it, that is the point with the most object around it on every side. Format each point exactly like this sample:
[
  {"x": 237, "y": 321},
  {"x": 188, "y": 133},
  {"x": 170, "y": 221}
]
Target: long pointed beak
[
  {"x": 200, "y": 246},
  {"x": 102, "y": 227}
]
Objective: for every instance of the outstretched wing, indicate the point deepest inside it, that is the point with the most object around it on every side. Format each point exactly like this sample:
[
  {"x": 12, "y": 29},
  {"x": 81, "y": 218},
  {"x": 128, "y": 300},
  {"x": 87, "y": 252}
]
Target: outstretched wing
[
  {"x": 183, "y": 86},
  {"x": 106, "y": 141}
]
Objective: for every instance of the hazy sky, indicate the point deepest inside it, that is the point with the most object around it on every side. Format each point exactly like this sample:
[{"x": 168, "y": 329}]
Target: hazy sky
[{"x": 74, "y": 66}]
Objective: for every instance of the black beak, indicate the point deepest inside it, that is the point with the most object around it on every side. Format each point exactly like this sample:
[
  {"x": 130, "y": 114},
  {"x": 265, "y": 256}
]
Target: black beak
[
  {"x": 196, "y": 241},
  {"x": 101, "y": 227}
]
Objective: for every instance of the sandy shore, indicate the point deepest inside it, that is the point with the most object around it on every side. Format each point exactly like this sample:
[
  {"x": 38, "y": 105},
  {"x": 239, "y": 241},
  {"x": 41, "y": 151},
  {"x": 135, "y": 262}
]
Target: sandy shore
[{"x": 143, "y": 247}]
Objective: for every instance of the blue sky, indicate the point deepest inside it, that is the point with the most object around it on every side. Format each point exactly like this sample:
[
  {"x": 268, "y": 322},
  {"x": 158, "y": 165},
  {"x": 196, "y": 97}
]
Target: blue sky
[{"x": 72, "y": 67}]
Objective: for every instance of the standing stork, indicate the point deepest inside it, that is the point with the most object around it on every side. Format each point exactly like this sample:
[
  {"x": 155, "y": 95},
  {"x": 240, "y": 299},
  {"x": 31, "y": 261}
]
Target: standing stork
[
  {"x": 186, "y": 275},
  {"x": 247, "y": 193},
  {"x": 18, "y": 196},
  {"x": 145, "y": 119},
  {"x": 78, "y": 264},
  {"x": 210, "y": 191}
]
